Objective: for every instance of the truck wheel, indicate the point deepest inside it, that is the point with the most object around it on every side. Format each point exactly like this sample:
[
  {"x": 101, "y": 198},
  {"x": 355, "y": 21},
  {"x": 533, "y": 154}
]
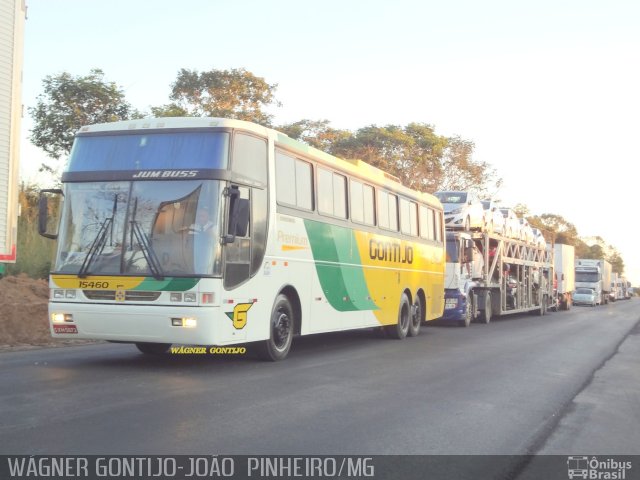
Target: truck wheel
[
  {"x": 400, "y": 329},
  {"x": 153, "y": 348},
  {"x": 485, "y": 315},
  {"x": 468, "y": 314},
  {"x": 416, "y": 318},
  {"x": 281, "y": 331}
]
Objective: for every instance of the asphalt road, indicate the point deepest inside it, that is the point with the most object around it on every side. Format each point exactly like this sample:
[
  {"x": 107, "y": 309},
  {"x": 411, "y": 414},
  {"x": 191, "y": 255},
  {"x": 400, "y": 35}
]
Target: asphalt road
[{"x": 502, "y": 388}]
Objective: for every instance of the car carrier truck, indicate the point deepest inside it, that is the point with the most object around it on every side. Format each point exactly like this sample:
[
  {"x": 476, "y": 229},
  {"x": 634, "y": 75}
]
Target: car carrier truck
[
  {"x": 594, "y": 274},
  {"x": 490, "y": 275}
]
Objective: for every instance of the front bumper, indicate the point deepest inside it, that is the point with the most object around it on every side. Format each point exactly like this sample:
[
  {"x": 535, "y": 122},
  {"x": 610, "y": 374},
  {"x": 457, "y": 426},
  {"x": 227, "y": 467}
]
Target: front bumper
[
  {"x": 455, "y": 305},
  {"x": 143, "y": 323}
]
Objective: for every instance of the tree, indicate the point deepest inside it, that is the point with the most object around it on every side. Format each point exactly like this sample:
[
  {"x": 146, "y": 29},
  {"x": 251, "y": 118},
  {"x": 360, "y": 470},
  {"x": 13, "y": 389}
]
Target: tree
[
  {"x": 316, "y": 133},
  {"x": 69, "y": 102},
  {"x": 562, "y": 230},
  {"x": 616, "y": 261},
  {"x": 234, "y": 93},
  {"x": 413, "y": 153},
  {"x": 459, "y": 171}
]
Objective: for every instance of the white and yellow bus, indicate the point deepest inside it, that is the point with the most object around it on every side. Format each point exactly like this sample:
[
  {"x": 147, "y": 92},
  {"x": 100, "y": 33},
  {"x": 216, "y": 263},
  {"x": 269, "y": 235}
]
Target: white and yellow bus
[{"x": 207, "y": 231}]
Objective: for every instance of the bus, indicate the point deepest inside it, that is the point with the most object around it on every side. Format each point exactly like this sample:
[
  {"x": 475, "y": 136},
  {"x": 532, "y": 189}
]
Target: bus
[{"x": 218, "y": 232}]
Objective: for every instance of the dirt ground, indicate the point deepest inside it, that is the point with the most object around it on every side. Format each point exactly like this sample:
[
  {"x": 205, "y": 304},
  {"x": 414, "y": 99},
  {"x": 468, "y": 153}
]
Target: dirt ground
[{"x": 23, "y": 314}]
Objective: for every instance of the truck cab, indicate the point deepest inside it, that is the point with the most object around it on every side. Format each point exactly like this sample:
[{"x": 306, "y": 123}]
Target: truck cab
[{"x": 463, "y": 272}]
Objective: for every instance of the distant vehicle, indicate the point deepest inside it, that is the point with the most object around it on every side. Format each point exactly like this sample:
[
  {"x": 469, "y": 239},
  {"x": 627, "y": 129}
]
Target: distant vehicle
[
  {"x": 526, "y": 234},
  {"x": 594, "y": 274},
  {"x": 585, "y": 296},
  {"x": 614, "y": 294},
  {"x": 511, "y": 223},
  {"x": 462, "y": 210},
  {"x": 538, "y": 238},
  {"x": 493, "y": 219}
]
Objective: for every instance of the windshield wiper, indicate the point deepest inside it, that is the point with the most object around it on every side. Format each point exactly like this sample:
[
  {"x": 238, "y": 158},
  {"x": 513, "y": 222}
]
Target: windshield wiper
[
  {"x": 145, "y": 245},
  {"x": 100, "y": 241},
  {"x": 96, "y": 247},
  {"x": 147, "y": 250}
]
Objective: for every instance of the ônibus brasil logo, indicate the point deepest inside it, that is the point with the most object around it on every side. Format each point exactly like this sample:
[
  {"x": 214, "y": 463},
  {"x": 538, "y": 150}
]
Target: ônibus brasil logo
[{"x": 594, "y": 468}]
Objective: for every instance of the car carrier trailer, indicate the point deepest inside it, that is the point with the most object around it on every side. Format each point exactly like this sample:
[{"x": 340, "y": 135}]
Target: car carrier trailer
[{"x": 491, "y": 275}]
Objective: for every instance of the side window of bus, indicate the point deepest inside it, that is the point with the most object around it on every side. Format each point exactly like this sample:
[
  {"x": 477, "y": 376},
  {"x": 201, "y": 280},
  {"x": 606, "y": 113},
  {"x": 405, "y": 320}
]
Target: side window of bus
[
  {"x": 387, "y": 211},
  {"x": 294, "y": 182},
  {"x": 361, "y": 202},
  {"x": 250, "y": 157},
  {"x": 408, "y": 217},
  {"x": 438, "y": 222},
  {"x": 332, "y": 193}
]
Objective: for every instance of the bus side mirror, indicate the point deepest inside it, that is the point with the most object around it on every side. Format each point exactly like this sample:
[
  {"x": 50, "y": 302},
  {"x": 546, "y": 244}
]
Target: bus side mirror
[
  {"x": 44, "y": 215},
  {"x": 238, "y": 223}
]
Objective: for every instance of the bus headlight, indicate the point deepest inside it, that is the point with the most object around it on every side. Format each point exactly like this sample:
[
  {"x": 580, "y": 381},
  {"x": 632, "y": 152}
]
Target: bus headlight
[
  {"x": 186, "y": 322},
  {"x": 190, "y": 297},
  {"x": 61, "y": 318}
]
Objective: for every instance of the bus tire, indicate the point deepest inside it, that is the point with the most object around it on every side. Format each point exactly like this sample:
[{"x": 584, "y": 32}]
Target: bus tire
[
  {"x": 400, "y": 329},
  {"x": 485, "y": 315},
  {"x": 417, "y": 312},
  {"x": 153, "y": 348},
  {"x": 281, "y": 328}
]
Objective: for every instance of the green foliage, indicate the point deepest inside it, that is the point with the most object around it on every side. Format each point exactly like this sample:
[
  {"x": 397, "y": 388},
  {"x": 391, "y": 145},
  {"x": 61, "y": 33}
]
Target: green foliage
[
  {"x": 561, "y": 230},
  {"x": 170, "y": 110},
  {"x": 234, "y": 93},
  {"x": 616, "y": 261},
  {"x": 415, "y": 154},
  {"x": 316, "y": 133},
  {"x": 69, "y": 102},
  {"x": 34, "y": 252}
]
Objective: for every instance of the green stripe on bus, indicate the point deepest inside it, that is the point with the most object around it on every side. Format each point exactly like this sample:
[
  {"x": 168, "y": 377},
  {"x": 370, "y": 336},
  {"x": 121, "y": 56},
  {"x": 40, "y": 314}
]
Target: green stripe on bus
[
  {"x": 338, "y": 265},
  {"x": 168, "y": 284}
]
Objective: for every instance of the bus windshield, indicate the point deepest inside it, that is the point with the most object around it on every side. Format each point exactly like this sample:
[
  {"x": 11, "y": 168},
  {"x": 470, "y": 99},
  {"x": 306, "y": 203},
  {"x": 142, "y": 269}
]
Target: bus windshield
[{"x": 141, "y": 228}]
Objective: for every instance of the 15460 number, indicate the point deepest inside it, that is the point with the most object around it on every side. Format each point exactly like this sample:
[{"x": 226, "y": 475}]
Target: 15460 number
[{"x": 88, "y": 284}]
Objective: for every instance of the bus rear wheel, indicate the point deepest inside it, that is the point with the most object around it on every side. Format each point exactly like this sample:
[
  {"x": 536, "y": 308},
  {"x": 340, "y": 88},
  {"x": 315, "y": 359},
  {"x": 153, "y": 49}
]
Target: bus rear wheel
[
  {"x": 153, "y": 348},
  {"x": 400, "y": 329},
  {"x": 280, "y": 331},
  {"x": 416, "y": 317}
]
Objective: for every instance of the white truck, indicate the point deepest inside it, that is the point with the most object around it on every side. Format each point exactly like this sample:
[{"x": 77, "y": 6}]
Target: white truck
[
  {"x": 12, "y": 16},
  {"x": 594, "y": 274},
  {"x": 564, "y": 266},
  {"x": 490, "y": 275}
]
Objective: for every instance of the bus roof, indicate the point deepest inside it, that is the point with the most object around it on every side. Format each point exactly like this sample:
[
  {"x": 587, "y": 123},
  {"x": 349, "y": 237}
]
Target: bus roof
[{"x": 355, "y": 167}]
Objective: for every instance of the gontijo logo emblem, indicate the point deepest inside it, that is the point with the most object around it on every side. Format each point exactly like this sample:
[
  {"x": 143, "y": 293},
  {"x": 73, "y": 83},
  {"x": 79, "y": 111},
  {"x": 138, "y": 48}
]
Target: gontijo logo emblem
[{"x": 239, "y": 315}]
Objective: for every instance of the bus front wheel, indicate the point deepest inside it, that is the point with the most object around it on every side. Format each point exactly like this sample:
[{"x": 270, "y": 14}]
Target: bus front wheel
[{"x": 280, "y": 331}]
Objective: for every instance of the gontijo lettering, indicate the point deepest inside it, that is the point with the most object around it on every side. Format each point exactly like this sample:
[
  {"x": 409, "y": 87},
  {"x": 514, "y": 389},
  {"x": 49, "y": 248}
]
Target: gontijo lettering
[{"x": 390, "y": 251}]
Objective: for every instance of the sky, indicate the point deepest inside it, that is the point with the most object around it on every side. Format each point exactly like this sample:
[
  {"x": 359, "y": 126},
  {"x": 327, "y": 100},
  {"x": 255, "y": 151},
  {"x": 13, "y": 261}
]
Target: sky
[{"x": 548, "y": 91}]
